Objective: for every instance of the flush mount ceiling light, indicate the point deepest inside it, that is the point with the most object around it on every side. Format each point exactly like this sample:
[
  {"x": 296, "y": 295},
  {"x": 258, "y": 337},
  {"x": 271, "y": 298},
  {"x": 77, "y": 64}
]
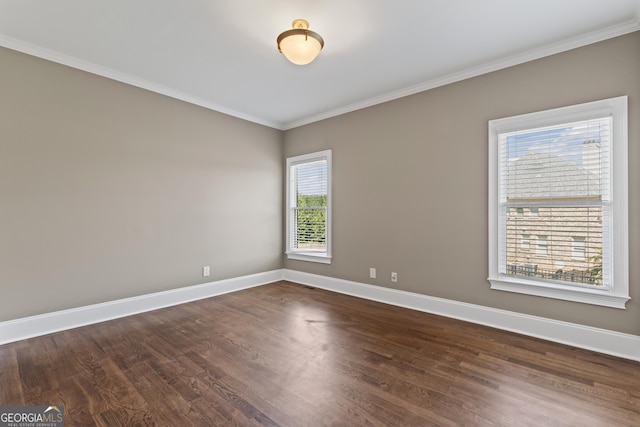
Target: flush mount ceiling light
[{"x": 300, "y": 45}]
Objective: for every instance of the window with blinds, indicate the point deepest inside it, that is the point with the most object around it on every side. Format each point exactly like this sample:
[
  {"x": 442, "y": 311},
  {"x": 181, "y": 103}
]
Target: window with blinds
[
  {"x": 558, "y": 203},
  {"x": 308, "y": 207},
  {"x": 554, "y": 188}
]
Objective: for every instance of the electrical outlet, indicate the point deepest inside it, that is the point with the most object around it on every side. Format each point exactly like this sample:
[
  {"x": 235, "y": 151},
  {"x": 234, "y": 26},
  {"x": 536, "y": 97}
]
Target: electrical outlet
[
  {"x": 372, "y": 273},
  {"x": 206, "y": 271},
  {"x": 394, "y": 277}
]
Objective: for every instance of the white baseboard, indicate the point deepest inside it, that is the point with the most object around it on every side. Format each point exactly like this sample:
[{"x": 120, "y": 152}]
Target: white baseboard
[
  {"x": 601, "y": 340},
  {"x": 28, "y": 327}
]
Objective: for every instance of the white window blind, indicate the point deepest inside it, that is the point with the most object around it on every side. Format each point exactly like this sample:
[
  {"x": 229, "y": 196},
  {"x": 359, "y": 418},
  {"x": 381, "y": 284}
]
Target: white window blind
[
  {"x": 562, "y": 173},
  {"x": 308, "y": 205},
  {"x": 558, "y": 203}
]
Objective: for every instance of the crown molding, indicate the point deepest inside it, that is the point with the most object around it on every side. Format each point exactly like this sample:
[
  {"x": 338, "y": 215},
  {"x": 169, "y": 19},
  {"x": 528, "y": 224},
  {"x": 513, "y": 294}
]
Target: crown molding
[
  {"x": 520, "y": 58},
  {"x": 552, "y": 49},
  {"x": 89, "y": 67}
]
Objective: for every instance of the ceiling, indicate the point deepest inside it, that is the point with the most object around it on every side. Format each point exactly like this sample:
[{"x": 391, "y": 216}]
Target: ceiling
[{"x": 221, "y": 54}]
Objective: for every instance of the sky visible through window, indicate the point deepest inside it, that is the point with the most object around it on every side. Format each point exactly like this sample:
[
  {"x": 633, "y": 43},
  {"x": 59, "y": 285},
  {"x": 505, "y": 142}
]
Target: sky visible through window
[{"x": 565, "y": 141}]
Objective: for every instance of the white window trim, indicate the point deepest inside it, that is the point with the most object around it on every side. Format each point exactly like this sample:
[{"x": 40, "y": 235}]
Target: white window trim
[
  {"x": 618, "y": 294},
  {"x": 312, "y": 256}
]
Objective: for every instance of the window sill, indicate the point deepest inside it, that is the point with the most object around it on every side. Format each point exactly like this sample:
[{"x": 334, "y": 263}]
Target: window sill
[
  {"x": 552, "y": 290},
  {"x": 311, "y": 257}
]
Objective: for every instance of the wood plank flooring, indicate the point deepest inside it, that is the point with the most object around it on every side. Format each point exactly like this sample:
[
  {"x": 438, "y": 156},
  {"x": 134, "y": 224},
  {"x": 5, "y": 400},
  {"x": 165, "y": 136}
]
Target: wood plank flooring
[{"x": 289, "y": 355}]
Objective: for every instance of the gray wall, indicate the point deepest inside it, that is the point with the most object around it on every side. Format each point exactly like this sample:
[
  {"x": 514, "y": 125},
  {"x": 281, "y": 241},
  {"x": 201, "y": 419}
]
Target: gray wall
[
  {"x": 108, "y": 191},
  {"x": 410, "y": 179}
]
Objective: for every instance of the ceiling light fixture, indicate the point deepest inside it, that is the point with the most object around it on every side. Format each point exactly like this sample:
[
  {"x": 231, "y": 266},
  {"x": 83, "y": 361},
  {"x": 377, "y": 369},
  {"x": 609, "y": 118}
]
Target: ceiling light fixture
[{"x": 300, "y": 45}]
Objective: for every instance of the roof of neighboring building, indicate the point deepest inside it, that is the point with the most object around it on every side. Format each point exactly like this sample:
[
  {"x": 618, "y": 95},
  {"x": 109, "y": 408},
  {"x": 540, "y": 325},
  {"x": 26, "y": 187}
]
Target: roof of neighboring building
[{"x": 542, "y": 176}]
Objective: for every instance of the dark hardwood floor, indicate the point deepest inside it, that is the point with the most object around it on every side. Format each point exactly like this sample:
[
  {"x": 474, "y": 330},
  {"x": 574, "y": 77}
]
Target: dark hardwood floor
[{"x": 290, "y": 355}]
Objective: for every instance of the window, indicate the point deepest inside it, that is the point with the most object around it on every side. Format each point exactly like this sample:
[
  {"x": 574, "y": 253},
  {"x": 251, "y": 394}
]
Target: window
[
  {"x": 569, "y": 166},
  {"x": 577, "y": 247},
  {"x": 542, "y": 246},
  {"x": 525, "y": 242},
  {"x": 309, "y": 207}
]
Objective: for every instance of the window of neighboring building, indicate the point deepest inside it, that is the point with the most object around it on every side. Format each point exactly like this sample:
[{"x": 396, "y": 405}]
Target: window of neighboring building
[
  {"x": 309, "y": 207},
  {"x": 571, "y": 163},
  {"x": 526, "y": 241},
  {"x": 578, "y": 247},
  {"x": 542, "y": 245}
]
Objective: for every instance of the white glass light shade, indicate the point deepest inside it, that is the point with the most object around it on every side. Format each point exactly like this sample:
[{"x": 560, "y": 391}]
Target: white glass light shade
[{"x": 300, "y": 45}]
